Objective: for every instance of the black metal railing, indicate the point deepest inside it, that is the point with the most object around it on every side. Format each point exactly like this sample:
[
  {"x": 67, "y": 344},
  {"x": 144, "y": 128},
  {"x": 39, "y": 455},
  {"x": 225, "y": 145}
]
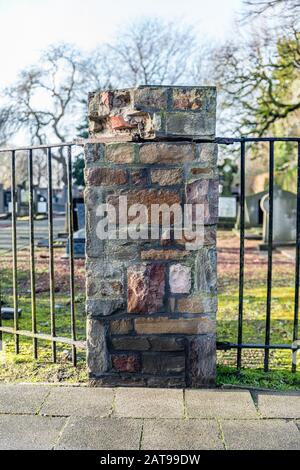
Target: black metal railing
[
  {"x": 72, "y": 341},
  {"x": 266, "y": 346},
  {"x": 34, "y": 334}
]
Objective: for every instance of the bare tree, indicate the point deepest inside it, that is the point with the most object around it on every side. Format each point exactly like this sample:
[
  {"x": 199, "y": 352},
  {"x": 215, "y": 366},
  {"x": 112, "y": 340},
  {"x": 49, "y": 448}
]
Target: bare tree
[
  {"x": 152, "y": 51},
  {"x": 259, "y": 7},
  {"x": 43, "y": 99}
]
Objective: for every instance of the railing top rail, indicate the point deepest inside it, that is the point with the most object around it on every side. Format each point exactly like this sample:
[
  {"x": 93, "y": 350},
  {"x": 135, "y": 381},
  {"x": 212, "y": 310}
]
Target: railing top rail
[{"x": 217, "y": 140}]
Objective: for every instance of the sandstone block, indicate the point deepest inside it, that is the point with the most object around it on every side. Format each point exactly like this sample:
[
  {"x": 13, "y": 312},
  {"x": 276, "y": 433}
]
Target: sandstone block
[
  {"x": 120, "y": 327},
  {"x": 180, "y": 279},
  {"x": 164, "y": 254},
  {"x": 105, "y": 176},
  {"x": 120, "y": 153},
  {"x": 172, "y": 152},
  {"x": 166, "y": 177},
  {"x": 161, "y": 325},
  {"x": 146, "y": 288}
]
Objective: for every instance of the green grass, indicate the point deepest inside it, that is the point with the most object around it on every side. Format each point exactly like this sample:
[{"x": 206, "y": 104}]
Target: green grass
[{"x": 23, "y": 368}]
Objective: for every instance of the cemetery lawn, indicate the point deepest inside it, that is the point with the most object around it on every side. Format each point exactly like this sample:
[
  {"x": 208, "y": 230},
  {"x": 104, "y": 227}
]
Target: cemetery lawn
[{"x": 23, "y": 368}]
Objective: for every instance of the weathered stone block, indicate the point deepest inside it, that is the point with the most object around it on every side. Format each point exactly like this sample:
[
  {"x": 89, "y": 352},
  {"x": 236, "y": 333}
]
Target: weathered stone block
[
  {"x": 165, "y": 325},
  {"x": 146, "y": 288},
  {"x": 166, "y": 177},
  {"x": 105, "y": 176},
  {"x": 135, "y": 343},
  {"x": 202, "y": 361},
  {"x": 162, "y": 152},
  {"x": 183, "y": 124},
  {"x": 206, "y": 270},
  {"x": 139, "y": 177},
  {"x": 121, "y": 327},
  {"x": 197, "y": 303},
  {"x": 180, "y": 279},
  {"x": 204, "y": 192},
  {"x": 163, "y": 364},
  {"x": 120, "y": 153},
  {"x": 150, "y": 98},
  {"x": 93, "y": 154},
  {"x": 104, "y": 308},
  {"x": 97, "y": 353},
  {"x": 164, "y": 254},
  {"x": 126, "y": 363},
  {"x": 194, "y": 99}
]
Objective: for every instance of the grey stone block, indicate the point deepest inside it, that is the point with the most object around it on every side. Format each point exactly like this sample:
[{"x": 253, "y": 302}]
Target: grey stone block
[
  {"x": 201, "y": 361},
  {"x": 261, "y": 435},
  {"x": 186, "y": 124},
  {"x": 97, "y": 354},
  {"x": 225, "y": 404},
  {"x": 22, "y": 398},
  {"x": 101, "y": 434},
  {"x": 78, "y": 401},
  {"x": 29, "y": 432},
  {"x": 149, "y": 403},
  {"x": 279, "y": 405},
  {"x": 154, "y": 363},
  {"x": 174, "y": 434}
]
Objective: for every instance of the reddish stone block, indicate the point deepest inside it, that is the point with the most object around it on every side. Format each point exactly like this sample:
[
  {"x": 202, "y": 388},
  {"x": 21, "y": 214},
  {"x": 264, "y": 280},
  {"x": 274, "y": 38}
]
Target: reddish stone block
[
  {"x": 118, "y": 122},
  {"x": 126, "y": 363},
  {"x": 146, "y": 288},
  {"x": 105, "y": 176}
]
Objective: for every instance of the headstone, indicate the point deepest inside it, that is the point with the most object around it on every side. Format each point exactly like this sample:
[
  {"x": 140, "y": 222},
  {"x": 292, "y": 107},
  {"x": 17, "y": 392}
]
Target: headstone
[
  {"x": 253, "y": 211},
  {"x": 78, "y": 213},
  {"x": 284, "y": 217},
  {"x": 1, "y": 199},
  {"x": 227, "y": 211}
]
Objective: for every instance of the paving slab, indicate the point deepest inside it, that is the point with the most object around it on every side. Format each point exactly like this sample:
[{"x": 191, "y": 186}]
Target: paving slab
[
  {"x": 22, "y": 398},
  {"x": 78, "y": 401},
  {"x": 220, "y": 404},
  {"x": 175, "y": 434},
  {"x": 100, "y": 434},
  {"x": 149, "y": 403},
  {"x": 270, "y": 434},
  {"x": 279, "y": 405},
  {"x": 25, "y": 432}
]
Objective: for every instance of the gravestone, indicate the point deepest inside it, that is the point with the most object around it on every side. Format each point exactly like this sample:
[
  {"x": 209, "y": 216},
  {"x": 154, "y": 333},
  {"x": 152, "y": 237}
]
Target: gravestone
[
  {"x": 284, "y": 217},
  {"x": 2, "y": 211},
  {"x": 227, "y": 211},
  {"x": 253, "y": 211}
]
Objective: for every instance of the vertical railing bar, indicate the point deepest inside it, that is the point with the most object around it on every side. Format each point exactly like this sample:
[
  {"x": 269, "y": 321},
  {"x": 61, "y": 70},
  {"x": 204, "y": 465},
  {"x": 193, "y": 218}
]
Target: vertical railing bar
[
  {"x": 242, "y": 255},
  {"x": 51, "y": 258},
  {"x": 31, "y": 254},
  {"x": 297, "y": 260},
  {"x": 14, "y": 248},
  {"x": 71, "y": 254},
  {"x": 270, "y": 255}
]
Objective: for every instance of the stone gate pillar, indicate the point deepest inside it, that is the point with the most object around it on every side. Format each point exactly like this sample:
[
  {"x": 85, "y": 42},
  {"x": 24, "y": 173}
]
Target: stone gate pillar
[{"x": 151, "y": 301}]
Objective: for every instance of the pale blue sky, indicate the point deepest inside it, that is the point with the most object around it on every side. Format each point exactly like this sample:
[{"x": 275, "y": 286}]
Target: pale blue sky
[{"x": 27, "y": 26}]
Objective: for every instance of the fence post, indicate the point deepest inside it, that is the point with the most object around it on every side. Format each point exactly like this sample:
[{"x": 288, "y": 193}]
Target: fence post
[{"x": 151, "y": 292}]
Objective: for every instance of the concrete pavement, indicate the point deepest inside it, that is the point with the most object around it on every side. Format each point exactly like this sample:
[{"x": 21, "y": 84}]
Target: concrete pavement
[{"x": 71, "y": 417}]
